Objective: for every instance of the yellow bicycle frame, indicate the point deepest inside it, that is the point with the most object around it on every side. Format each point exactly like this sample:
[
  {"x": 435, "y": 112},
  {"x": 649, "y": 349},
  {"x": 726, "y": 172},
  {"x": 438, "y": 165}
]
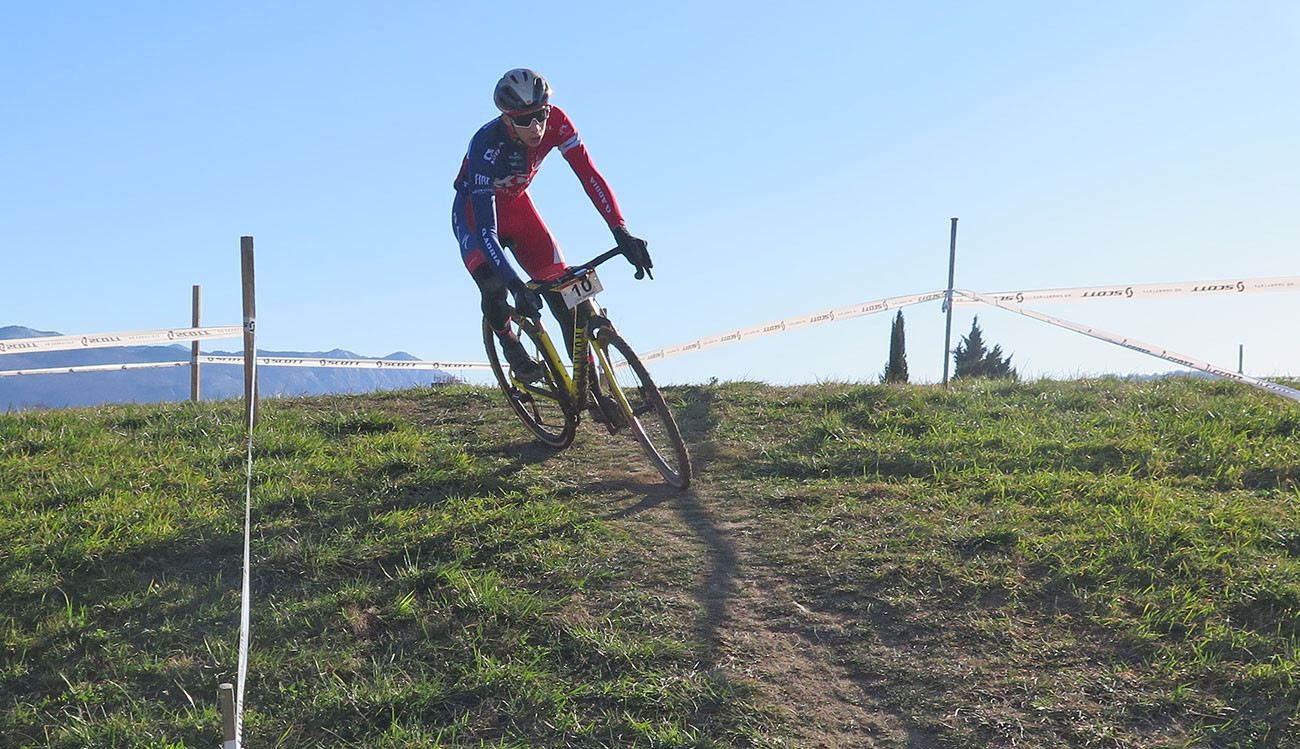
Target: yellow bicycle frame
[{"x": 575, "y": 384}]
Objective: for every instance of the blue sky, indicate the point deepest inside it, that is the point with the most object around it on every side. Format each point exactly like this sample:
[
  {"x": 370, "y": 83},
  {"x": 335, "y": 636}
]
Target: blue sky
[{"x": 780, "y": 159}]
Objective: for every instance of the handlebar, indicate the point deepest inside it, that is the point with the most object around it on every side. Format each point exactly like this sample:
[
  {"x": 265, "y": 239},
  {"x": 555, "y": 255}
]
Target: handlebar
[{"x": 573, "y": 271}]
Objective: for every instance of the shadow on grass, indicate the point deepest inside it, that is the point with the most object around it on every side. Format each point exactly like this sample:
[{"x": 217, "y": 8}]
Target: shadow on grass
[
  {"x": 716, "y": 578},
  {"x": 693, "y": 409},
  {"x": 522, "y": 454},
  {"x": 697, "y": 418}
]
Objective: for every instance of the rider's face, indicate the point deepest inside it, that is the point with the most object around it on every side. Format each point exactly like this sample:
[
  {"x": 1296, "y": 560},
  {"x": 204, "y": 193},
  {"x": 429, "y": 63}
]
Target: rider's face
[{"x": 531, "y": 133}]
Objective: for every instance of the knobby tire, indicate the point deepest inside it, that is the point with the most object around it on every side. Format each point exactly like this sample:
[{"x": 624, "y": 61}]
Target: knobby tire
[
  {"x": 644, "y": 408},
  {"x": 543, "y": 406}
]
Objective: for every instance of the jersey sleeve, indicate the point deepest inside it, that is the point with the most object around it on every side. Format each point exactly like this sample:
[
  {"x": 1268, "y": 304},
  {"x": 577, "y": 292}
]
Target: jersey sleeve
[
  {"x": 481, "y": 171},
  {"x": 574, "y": 152}
]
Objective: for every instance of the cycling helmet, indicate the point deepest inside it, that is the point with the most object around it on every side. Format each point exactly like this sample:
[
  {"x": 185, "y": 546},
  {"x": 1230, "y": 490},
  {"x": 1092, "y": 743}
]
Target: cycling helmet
[{"x": 521, "y": 90}]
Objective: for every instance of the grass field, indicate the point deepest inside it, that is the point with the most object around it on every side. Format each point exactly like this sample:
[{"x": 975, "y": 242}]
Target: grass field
[{"x": 1094, "y": 563}]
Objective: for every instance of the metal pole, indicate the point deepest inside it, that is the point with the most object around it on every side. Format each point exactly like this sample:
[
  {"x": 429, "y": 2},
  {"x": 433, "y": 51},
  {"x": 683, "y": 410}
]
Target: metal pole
[
  {"x": 250, "y": 324},
  {"x": 194, "y": 352},
  {"x": 1241, "y": 357},
  {"x": 226, "y": 698},
  {"x": 947, "y": 300}
]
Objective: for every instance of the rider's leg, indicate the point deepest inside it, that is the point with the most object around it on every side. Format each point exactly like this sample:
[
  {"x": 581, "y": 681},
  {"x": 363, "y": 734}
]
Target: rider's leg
[
  {"x": 497, "y": 312},
  {"x": 562, "y": 314},
  {"x": 492, "y": 290},
  {"x": 519, "y": 223},
  {"x": 537, "y": 252},
  {"x": 599, "y": 403}
]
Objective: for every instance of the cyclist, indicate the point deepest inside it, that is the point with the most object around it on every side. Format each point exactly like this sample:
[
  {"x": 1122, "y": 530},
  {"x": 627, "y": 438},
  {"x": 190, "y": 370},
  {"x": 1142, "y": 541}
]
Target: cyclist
[{"x": 493, "y": 209}]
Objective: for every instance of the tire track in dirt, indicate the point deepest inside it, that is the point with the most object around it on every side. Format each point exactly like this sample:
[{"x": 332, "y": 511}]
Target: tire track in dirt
[{"x": 750, "y": 621}]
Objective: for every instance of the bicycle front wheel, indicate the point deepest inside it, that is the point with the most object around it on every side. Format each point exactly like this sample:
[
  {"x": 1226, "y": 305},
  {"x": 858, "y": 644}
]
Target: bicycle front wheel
[
  {"x": 543, "y": 406},
  {"x": 643, "y": 406}
]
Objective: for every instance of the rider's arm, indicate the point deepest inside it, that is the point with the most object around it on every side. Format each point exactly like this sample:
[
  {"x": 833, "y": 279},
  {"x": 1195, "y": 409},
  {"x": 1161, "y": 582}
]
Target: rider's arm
[{"x": 575, "y": 153}]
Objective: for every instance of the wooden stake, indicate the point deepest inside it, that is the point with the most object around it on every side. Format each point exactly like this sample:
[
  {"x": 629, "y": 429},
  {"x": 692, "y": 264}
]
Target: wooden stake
[
  {"x": 947, "y": 328},
  {"x": 250, "y": 324},
  {"x": 226, "y": 696},
  {"x": 194, "y": 351}
]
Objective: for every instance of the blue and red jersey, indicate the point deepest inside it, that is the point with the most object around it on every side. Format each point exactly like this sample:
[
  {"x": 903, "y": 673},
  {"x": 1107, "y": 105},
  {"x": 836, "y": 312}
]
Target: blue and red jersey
[{"x": 492, "y": 203}]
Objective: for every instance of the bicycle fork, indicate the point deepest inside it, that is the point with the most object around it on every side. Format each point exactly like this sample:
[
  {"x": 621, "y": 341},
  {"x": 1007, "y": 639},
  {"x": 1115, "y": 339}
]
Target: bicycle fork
[
  {"x": 590, "y": 360},
  {"x": 586, "y": 369}
]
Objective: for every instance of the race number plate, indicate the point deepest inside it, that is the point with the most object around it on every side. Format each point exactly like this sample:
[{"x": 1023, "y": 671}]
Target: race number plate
[{"x": 580, "y": 289}]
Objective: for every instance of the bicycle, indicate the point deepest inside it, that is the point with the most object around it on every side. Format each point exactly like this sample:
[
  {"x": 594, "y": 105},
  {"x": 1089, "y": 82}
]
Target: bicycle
[{"x": 607, "y": 378}]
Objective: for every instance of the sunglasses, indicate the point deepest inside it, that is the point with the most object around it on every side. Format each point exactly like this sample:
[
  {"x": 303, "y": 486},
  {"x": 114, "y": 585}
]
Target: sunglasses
[{"x": 527, "y": 118}]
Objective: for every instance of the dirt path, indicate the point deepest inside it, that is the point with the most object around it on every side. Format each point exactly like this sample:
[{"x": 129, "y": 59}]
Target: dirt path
[{"x": 702, "y": 549}]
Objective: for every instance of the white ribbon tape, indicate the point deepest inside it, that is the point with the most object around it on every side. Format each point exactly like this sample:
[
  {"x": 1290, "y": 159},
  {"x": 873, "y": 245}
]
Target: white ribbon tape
[
  {"x": 389, "y": 364},
  {"x": 245, "y": 594},
  {"x": 1082, "y": 293},
  {"x": 1131, "y": 343},
  {"x": 1145, "y": 291},
  {"x": 95, "y": 368},
  {"x": 262, "y": 361},
  {"x": 105, "y": 340},
  {"x": 791, "y": 323}
]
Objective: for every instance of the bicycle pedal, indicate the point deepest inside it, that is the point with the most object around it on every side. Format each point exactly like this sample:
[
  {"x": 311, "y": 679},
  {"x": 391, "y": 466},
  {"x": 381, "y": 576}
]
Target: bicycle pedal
[
  {"x": 605, "y": 410},
  {"x": 527, "y": 375}
]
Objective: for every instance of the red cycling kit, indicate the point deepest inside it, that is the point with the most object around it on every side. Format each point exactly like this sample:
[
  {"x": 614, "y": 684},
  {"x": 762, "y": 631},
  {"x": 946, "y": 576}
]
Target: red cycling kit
[{"x": 492, "y": 206}]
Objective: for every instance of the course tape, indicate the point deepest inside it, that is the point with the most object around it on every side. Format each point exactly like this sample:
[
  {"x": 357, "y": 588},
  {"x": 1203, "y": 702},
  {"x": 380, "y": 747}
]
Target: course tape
[
  {"x": 265, "y": 361},
  {"x": 105, "y": 340},
  {"x": 94, "y": 368},
  {"x": 392, "y": 364},
  {"x": 1072, "y": 294},
  {"x": 790, "y": 323},
  {"x": 1144, "y": 291},
  {"x": 245, "y": 595},
  {"x": 1131, "y": 343},
  {"x": 1082, "y": 293}
]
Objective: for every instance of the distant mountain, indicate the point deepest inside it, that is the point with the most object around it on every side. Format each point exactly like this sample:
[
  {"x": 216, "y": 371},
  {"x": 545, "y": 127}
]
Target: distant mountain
[{"x": 218, "y": 381}]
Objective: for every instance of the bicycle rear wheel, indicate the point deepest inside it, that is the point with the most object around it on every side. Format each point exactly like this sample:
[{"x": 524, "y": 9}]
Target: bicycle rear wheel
[
  {"x": 643, "y": 406},
  {"x": 543, "y": 406}
]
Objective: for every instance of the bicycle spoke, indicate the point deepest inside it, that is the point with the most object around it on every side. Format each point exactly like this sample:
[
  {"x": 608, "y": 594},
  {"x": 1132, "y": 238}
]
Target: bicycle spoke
[
  {"x": 650, "y": 421},
  {"x": 543, "y": 407}
]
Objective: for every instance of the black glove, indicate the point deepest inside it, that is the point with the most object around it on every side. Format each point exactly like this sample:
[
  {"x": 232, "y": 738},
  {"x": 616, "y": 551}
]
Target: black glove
[
  {"x": 527, "y": 302},
  {"x": 634, "y": 250}
]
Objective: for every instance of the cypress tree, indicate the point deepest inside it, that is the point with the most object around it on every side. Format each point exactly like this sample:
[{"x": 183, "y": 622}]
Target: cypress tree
[
  {"x": 896, "y": 367},
  {"x": 969, "y": 353},
  {"x": 973, "y": 359}
]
